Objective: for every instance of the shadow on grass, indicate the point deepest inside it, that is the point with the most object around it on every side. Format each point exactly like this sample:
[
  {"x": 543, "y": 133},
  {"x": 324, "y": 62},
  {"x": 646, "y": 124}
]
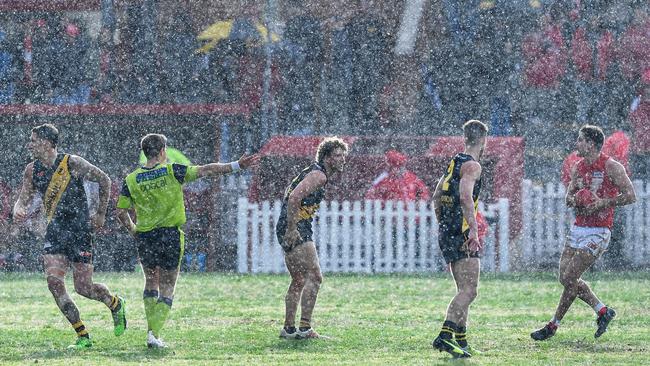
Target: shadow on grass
[
  {"x": 584, "y": 345},
  {"x": 299, "y": 344},
  {"x": 130, "y": 355}
]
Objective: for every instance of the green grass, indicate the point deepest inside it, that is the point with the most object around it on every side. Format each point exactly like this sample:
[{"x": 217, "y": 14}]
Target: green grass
[{"x": 373, "y": 320}]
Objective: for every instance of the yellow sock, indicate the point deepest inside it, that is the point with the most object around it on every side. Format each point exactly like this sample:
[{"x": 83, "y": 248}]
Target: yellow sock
[{"x": 80, "y": 328}]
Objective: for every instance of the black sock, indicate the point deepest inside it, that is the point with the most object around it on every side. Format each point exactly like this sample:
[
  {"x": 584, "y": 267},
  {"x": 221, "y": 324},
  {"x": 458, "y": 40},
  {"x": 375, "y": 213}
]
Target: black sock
[
  {"x": 290, "y": 329},
  {"x": 461, "y": 336},
  {"x": 448, "y": 330}
]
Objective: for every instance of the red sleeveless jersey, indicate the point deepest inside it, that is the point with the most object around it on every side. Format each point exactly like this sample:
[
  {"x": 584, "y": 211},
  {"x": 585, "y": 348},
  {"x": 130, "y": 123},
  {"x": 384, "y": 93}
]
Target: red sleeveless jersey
[{"x": 594, "y": 178}]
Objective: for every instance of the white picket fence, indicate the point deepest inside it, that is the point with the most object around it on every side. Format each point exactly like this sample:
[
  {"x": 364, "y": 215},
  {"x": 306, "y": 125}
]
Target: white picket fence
[
  {"x": 637, "y": 224},
  {"x": 376, "y": 237},
  {"x": 546, "y": 221},
  {"x": 365, "y": 237}
]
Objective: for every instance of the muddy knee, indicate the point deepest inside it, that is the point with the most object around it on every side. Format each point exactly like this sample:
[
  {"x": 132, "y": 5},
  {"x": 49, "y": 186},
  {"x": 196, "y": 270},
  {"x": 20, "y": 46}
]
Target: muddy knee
[
  {"x": 56, "y": 286},
  {"x": 315, "y": 278},
  {"x": 469, "y": 293}
]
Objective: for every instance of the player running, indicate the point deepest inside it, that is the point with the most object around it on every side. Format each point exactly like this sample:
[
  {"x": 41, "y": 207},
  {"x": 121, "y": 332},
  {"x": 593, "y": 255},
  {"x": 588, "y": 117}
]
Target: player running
[
  {"x": 598, "y": 184},
  {"x": 59, "y": 178}
]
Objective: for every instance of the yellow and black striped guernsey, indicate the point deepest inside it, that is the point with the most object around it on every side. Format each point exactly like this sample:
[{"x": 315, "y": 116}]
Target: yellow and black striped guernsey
[
  {"x": 308, "y": 206},
  {"x": 452, "y": 222},
  {"x": 64, "y": 196}
]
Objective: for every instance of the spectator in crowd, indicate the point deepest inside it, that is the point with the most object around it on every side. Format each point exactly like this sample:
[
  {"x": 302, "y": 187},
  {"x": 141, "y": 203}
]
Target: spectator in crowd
[
  {"x": 44, "y": 57},
  {"x": 593, "y": 56},
  {"x": 140, "y": 28},
  {"x": 220, "y": 70},
  {"x": 336, "y": 102},
  {"x": 70, "y": 74},
  {"x": 635, "y": 43},
  {"x": 179, "y": 69},
  {"x": 236, "y": 57},
  {"x": 462, "y": 20},
  {"x": 545, "y": 59},
  {"x": 8, "y": 69},
  {"x": 496, "y": 69},
  {"x": 371, "y": 43},
  {"x": 301, "y": 64},
  {"x": 617, "y": 146},
  {"x": 618, "y": 90},
  {"x": 544, "y": 56},
  {"x": 107, "y": 78},
  {"x": 443, "y": 76},
  {"x": 397, "y": 183}
]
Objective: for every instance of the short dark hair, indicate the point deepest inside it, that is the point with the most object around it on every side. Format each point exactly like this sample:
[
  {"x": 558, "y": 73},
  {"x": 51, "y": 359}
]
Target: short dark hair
[
  {"x": 47, "y": 132},
  {"x": 474, "y": 130},
  {"x": 594, "y": 134},
  {"x": 152, "y": 144},
  {"x": 328, "y": 145}
]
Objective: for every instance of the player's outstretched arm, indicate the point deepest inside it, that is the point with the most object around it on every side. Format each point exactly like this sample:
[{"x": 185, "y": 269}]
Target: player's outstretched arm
[
  {"x": 26, "y": 195},
  {"x": 244, "y": 162}
]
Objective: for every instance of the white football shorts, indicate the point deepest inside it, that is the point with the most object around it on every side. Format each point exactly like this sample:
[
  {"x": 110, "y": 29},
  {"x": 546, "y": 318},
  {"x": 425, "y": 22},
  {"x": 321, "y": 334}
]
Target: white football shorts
[{"x": 595, "y": 240}]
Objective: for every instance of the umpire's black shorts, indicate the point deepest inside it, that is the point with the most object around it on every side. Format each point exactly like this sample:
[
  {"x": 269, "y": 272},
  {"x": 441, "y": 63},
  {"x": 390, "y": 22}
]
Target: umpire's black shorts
[
  {"x": 451, "y": 247},
  {"x": 161, "y": 247}
]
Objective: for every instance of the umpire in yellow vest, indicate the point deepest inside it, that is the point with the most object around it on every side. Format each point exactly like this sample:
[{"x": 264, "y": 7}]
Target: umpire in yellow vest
[{"x": 155, "y": 191}]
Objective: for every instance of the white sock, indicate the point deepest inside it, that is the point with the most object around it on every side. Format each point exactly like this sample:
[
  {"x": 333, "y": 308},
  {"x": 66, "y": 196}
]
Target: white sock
[{"x": 598, "y": 306}]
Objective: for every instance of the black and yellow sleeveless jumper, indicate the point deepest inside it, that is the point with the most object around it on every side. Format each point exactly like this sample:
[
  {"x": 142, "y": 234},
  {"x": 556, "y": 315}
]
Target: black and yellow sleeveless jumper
[
  {"x": 308, "y": 208},
  {"x": 66, "y": 209},
  {"x": 453, "y": 228}
]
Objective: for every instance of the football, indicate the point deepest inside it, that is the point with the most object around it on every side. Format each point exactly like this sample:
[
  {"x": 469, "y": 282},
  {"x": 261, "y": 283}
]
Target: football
[{"x": 584, "y": 197}]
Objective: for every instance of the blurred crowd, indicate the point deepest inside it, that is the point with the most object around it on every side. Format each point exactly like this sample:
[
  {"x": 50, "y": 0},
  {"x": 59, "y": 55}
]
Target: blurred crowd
[{"x": 315, "y": 67}]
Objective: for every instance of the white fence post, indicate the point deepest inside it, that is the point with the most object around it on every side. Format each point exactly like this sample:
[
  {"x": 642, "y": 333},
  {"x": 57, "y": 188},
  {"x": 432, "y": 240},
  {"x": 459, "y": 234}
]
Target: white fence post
[
  {"x": 412, "y": 240},
  {"x": 369, "y": 235}
]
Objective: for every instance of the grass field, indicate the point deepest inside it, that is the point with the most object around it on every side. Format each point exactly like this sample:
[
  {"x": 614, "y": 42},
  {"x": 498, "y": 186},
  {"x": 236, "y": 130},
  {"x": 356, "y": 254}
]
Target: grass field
[{"x": 222, "y": 319}]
